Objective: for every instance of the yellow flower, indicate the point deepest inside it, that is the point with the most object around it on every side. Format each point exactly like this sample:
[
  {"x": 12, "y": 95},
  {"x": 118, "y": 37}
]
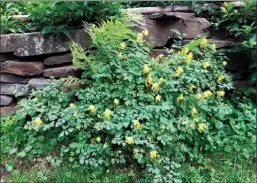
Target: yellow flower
[
  {"x": 156, "y": 87},
  {"x": 189, "y": 57},
  {"x": 203, "y": 42},
  {"x": 38, "y": 121},
  {"x": 194, "y": 111},
  {"x": 225, "y": 63},
  {"x": 107, "y": 114},
  {"x": 206, "y": 65},
  {"x": 220, "y": 93},
  {"x": 105, "y": 146},
  {"x": 213, "y": 47},
  {"x": 153, "y": 154},
  {"x": 198, "y": 96},
  {"x": 137, "y": 124},
  {"x": 116, "y": 102},
  {"x": 122, "y": 45},
  {"x": 201, "y": 127},
  {"x": 191, "y": 87},
  {"x": 35, "y": 99},
  {"x": 161, "y": 80},
  {"x": 129, "y": 140},
  {"x": 179, "y": 71},
  {"x": 75, "y": 114},
  {"x": 98, "y": 139},
  {"x": 146, "y": 69},
  {"x": 72, "y": 105},
  {"x": 120, "y": 55},
  {"x": 158, "y": 98},
  {"x": 195, "y": 120},
  {"x": 180, "y": 98},
  {"x": 78, "y": 127},
  {"x": 184, "y": 51},
  {"x": 145, "y": 33},
  {"x": 207, "y": 94},
  {"x": 92, "y": 108},
  {"x": 149, "y": 79},
  {"x": 140, "y": 37},
  {"x": 221, "y": 77}
]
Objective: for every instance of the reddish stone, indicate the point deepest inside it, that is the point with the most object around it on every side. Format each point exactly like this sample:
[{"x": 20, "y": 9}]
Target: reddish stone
[
  {"x": 60, "y": 72},
  {"x": 9, "y": 109}
]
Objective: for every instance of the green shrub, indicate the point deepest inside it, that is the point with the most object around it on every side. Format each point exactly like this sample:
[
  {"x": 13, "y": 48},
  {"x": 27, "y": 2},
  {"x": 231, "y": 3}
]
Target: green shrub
[{"x": 135, "y": 111}]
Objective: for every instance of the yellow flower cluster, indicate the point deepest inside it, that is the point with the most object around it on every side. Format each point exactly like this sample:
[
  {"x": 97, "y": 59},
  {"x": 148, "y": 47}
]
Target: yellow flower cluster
[
  {"x": 191, "y": 87},
  {"x": 189, "y": 58},
  {"x": 201, "y": 127},
  {"x": 92, "y": 108},
  {"x": 72, "y": 106},
  {"x": 180, "y": 98},
  {"x": 120, "y": 55},
  {"x": 206, "y": 65},
  {"x": 184, "y": 51},
  {"x": 158, "y": 98},
  {"x": 198, "y": 96},
  {"x": 156, "y": 87},
  {"x": 137, "y": 124},
  {"x": 122, "y": 45},
  {"x": 145, "y": 33},
  {"x": 105, "y": 146},
  {"x": 140, "y": 36},
  {"x": 221, "y": 77},
  {"x": 224, "y": 63},
  {"x": 213, "y": 47},
  {"x": 220, "y": 93},
  {"x": 179, "y": 71},
  {"x": 207, "y": 94},
  {"x": 116, "y": 102},
  {"x": 98, "y": 139},
  {"x": 107, "y": 114},
  {"x": 38, "y": 122},
  {"x": 149, "y": 79},
  {"x": 194, "y": 111},
  {"x": 203, "y": 42},
  {"x": 129, "y": 140},
  {"x": 153, "y": 154},
  {"x": 146, "y": 69}
]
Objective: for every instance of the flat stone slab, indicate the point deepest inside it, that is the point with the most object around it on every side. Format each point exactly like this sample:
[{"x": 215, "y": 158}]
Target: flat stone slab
[
  {"x": 57, "y": 60},
  {"x": 10, "y": 78},
  {"x": 162, "y": 30},
  {"x": 9, "y": 109},
  {"x": 14, "y": 89},
  {"x": 22, "y": 68},
  {"x": 38, "y": 82},
  {"x": 30, "y": 44},
  {"x": 218, "y": 43},
  {"x": 170, "y": 16},
  {"x": 6, "y": 100},
  {"x": 60, "y": 72}
]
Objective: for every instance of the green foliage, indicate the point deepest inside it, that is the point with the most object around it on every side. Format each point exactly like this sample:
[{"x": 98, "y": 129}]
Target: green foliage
[
  {"x": 53, "y": 16},
  {"x": 240, "y": 22},
  {"x": 155, "y": 114}
]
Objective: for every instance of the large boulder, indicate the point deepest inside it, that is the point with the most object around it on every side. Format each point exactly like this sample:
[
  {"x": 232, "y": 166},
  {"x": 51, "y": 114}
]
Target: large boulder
[{"x": 22, "y": 68}]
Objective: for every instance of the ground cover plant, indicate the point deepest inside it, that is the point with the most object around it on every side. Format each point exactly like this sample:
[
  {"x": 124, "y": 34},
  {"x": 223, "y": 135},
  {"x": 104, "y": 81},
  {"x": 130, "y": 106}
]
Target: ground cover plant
[{"x": 152, "y": 119}]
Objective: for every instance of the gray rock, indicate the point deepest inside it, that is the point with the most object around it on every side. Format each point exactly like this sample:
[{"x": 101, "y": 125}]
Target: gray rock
[
  {"x": 163, "y": 30},
  {"x": 9, "y": 109},
  {"x": 60, "y": 59},
  {"x": 6, "y": 56},
  {"x": 14, "y": 89},
  {"x": 245, "y": 84},
  {"x": 218, "y": 43},
  {"x": 150, "y": 10},
  {"x": 63, "y": 71},
  {"x": 38, "y": 82},
  {"x": 156, "y": 52},
  {"x": 22, "y": 68},
  {"x": 170, "y": 16},
  {"x": 6, "y": 100},
  {"x": 29, "y": 44},
  {"x": 10, "y": 78}
]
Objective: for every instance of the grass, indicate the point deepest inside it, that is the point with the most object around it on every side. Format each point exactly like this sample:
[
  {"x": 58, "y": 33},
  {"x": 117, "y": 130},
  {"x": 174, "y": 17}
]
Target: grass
[{"x": 217, "y": 168}]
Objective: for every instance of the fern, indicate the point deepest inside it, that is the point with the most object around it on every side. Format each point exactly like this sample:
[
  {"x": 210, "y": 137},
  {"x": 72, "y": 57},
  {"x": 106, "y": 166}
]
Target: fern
[{"x": 71, "y": 80}]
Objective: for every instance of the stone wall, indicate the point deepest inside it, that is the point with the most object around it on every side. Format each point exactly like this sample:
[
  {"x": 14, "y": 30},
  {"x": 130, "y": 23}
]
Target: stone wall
[{"x": 28, "y": 60}]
